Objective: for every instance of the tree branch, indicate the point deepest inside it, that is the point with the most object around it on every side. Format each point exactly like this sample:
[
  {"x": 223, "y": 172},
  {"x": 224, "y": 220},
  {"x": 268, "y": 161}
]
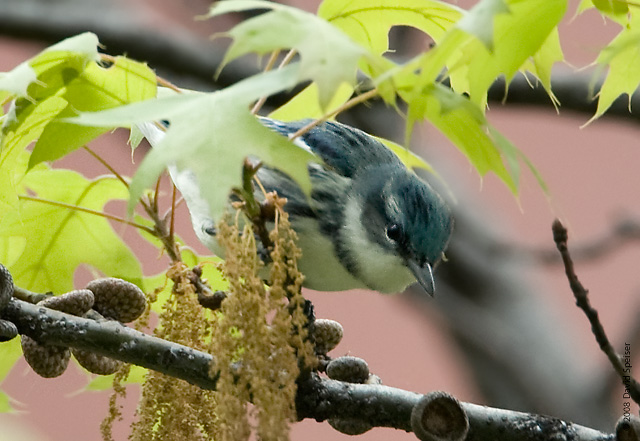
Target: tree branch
[
  {"x": 581, "y": 294},
  {"x": 317, "y": 398},
  {"x": 112, "y": 339}
]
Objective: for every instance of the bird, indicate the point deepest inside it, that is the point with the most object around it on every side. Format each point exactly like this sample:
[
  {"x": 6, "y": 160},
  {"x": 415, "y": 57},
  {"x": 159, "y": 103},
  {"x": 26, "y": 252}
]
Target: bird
[{"x": 368, "y": 223}]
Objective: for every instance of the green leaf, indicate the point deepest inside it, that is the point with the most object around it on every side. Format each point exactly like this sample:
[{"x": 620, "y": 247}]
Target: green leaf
[
  {"x": 59, "y": 239},
  {"x": 10, "y": 352},
  {"x": 464, "y": 124},
  {"x": 45, "y": 73},
  {"x": 584, "y": 5},
  {"x": 59, "y": 64},
  {"x": 327, "y": 56},
  {"x": 22, "y": 126},
  {"x": 408, "y": 158},
  {"x": 305, "y": 104},
  {"x": 622, "y": 57},
  {"x": 41, "y": 87},
  {"x": 96, "y": 88},
  {"x": 137, "y": 375},
  {"x": 517, "y": 35},
  {"x": 616, "y": 10},
  {"x": 18, "y": 80},
  {"x": 211, "y": 134},
  {"x": 480, "y": 20},
  {"x": 11, "y": 249},
  {"x": 368, "y": 21},
  {"x": 542, "y": 62}
]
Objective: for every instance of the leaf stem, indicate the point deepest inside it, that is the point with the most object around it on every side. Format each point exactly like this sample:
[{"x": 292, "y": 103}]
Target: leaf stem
[
  {"x": 87, "y": 210},
  {"x": 272, "y": 60},
  {"x": 349, "y": 104},
  {"x": 168, "y": 84},
  {"x": 106, "y": 165},
  {"x": 162, "y": 81}
]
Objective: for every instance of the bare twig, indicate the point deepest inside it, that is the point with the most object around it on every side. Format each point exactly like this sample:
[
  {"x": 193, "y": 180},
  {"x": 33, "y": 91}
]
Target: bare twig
[
  {"x": 28, "y": 296},
  {"x": 581, "y": 294}
]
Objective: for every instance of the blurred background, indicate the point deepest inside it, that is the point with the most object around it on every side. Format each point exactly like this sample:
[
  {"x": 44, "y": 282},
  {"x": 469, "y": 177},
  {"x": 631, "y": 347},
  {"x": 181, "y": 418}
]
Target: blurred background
[{"x": 503, "y": 329}]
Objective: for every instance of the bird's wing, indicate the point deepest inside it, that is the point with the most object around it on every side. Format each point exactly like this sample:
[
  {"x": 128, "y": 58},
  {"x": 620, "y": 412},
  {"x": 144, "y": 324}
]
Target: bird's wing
[{"x": 343, "y": 148}]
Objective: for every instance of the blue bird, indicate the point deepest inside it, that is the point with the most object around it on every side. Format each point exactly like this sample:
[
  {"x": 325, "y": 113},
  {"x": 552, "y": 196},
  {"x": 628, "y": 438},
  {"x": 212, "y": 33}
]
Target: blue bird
[{"x": 369, "y": 223}]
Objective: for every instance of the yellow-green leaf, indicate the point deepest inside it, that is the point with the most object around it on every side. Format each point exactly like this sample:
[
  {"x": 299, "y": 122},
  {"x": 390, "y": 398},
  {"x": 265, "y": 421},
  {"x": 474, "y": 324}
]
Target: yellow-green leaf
[
  {"x": 59, "y": 239},
  {"x": 518, "y": 33},
  {"x": 542, "y": 62},
  {"x": 327, "y": 56},
  {"x": 137, "y": 375},
  {"x": 211, "y": 134},
  {"x": 10, "y": 352},
  {"x": 306, "y": 104},
  {"x": 463, "y": 122},
  {"x": 368, "y": 21},
  {"x": 408, "y": 158},
  {"x": 615, "y": 9},
  {"x": 480, "y": 20},
  {"x": 96, "y": 88},
  {"x": 24, "y": 123},
  {"x": 622, "y": 57}
]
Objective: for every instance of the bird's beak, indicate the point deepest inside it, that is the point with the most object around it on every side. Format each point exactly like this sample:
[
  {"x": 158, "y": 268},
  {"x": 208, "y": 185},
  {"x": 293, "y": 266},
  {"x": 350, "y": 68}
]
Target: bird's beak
[{"x": 424, "y": 275}]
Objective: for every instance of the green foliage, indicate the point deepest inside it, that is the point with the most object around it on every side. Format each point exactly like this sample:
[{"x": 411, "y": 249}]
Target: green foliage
[
  {"x": 59, "y": 239},
  {"x": 313, "y": 38},
  {"x": 10, "y": 352},
  {"x": 368, "y": 22},
  {"x": 95, "y": 88},
  {"x": 57, "y": 83},
  {"x": 616, "y": 10},
  {"x": 137, "y": 375},
  {"x": 622, "y": 57},
  {"x": 464, "y": 123},
  {"x": 20, "y": 128},
  {"x": 210, "y": 142},
  {"x": 500, "y": 36}
]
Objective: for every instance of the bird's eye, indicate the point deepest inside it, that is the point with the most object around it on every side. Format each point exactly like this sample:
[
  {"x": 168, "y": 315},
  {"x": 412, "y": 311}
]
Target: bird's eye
[{"x": 394, "y": 232}]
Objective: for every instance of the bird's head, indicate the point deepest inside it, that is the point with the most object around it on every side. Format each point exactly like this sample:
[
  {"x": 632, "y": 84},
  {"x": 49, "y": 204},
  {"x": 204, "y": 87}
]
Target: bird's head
[{"x": 405, "y": 216}]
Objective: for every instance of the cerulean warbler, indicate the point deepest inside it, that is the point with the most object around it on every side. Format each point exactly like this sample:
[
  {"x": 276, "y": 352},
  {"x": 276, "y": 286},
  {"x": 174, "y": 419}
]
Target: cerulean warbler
[{"x": 369, "y": 223}]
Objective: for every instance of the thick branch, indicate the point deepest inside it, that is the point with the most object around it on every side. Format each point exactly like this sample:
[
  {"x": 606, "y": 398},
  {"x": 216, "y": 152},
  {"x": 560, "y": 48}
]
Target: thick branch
[
  {"x": 383, "y": 406},
  {"x": 317, "y": 398},
  {"x": 111, "y": 339}
]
